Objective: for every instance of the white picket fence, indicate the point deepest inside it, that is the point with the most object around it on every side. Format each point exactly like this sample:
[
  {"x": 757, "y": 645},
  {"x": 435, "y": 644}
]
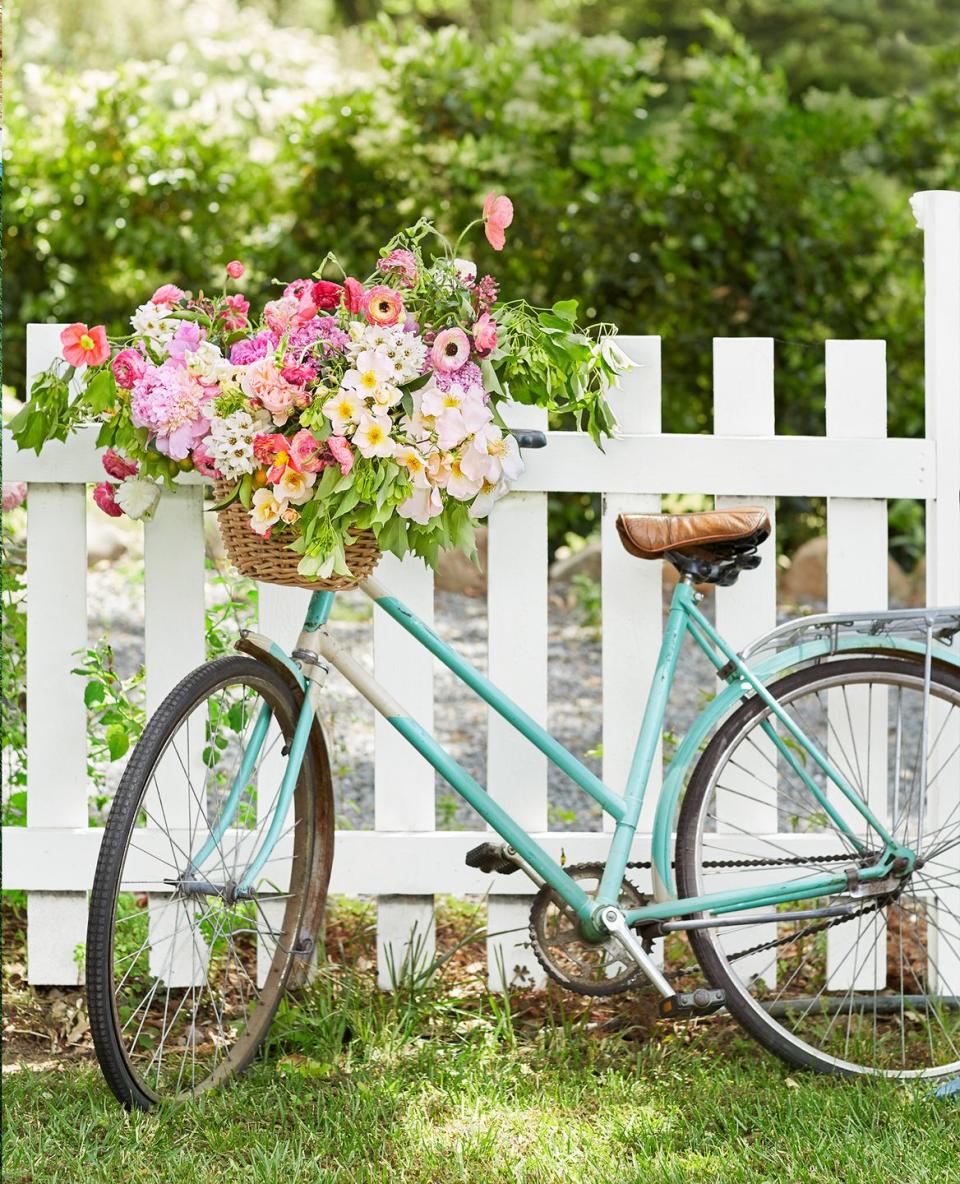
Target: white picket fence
[{"x": 404, "y": 861}]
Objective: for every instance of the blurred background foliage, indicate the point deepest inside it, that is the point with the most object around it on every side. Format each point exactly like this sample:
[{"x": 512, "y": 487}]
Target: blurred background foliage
[{"x": 742, "y": 170}]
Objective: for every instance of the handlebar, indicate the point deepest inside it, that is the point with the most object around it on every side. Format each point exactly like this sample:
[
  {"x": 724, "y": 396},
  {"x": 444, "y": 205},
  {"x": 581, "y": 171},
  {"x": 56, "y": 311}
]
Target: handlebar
[{"x": 528, "y": 438}]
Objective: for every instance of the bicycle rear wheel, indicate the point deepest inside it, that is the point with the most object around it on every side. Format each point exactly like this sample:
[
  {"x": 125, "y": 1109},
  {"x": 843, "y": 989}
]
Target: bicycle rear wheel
[
  {"x": 184, "y": 973},
  {"x": 875, "y": 989}
]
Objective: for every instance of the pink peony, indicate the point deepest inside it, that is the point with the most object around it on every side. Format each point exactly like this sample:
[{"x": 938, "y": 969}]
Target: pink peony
[
  {"x": 382, "y": 305},
  {"x": 402, "y": 264},
  {"x": 485, "y": 334},
  {"x": 264, "y": 382},
  {"x": 128, "y": 366},
  {"x": 342, "y": 452},
  {"x": 14, "y": 493},
  {"x": 497, "y": 216},
  {"x": 171, "y": 404},
  {"x": 353, "y": 295},
  {"x": 83, "y": 346},
  {"x": 235, "y": 269},
  {"x": 326, "y": 296},
  {"x": 236, "y": 318},
  {"x": 451, "y": 349},
  {"x": 242, "y": 353},
  {"x": 187, "y": 337},
  {"x": 118, "y": 467},
  {"x": 103, "y": 496},
  {"x": 167, "y": 294},
  {"x": 204, "y": 461}
]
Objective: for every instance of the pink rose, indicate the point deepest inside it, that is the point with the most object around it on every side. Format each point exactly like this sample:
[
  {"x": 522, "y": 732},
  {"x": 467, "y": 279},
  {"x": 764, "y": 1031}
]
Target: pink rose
[
  {"x": 485, "y": 334},
  {"x": 167, "y": 294},
  {"x": 298, "y": 375},
  {"x": 116, "y": 466},
  {"x": 342, "y": 452},
  {"x": 326, "y": 296},
  {"x": 290, "y": 313},
  {"x": 103, "y": 496},
  {"x": 235, "y": 269},
  {"x": 305, "y": 452},
  {"x": 128, "y": 367},
  {"x": 187, "y": 337},
  {"x": 264, "y": 382},
  {"x": 353, "y": 294}
]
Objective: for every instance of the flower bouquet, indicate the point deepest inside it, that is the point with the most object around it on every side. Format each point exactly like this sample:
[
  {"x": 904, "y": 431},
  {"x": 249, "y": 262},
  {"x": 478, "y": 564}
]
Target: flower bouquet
[{"x": 351, "y": 416}]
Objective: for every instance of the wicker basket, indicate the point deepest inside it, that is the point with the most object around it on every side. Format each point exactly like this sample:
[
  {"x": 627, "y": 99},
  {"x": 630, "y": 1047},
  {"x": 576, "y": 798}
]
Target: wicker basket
[{"x": 271, "y": 561}]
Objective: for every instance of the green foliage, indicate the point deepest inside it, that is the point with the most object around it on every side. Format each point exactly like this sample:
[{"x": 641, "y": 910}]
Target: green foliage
[{"x": 13, "y": 672}]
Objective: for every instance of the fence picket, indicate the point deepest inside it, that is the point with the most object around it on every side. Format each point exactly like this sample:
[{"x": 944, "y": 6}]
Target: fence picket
[
  {"x": 404, "y": 782},
  {"x": 856, "y": 379},
  {"x": 517, "y": 663},
  {"x": 743, "y": 405}
]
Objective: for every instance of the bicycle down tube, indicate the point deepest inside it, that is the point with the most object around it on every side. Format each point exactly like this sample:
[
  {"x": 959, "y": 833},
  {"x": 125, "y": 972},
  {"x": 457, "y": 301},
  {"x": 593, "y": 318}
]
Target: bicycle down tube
[{"x": 320, "y": 647}]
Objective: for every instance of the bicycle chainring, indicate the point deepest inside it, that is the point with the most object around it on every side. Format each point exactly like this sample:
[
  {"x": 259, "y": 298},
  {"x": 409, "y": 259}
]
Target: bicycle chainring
[{"x": 581, "y": 966}]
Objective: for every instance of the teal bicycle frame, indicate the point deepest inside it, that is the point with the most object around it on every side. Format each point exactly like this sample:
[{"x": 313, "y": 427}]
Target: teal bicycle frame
[{"x": 316, "y": 651}]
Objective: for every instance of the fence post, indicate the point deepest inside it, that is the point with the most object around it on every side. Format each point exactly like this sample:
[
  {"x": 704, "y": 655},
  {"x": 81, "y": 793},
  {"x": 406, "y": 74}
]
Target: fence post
[
  {"x": 517, "y": 663},
  {"x": 938, "y": 215},
  {"x": 743, "y": 405},
  {"x": 857, "y": 562}
]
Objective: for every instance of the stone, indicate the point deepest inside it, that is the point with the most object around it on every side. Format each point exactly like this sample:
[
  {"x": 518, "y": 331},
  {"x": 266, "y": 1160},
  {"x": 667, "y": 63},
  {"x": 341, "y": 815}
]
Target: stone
[
  {"x": 106, "y": 541},
  {"x": 805, "y": 580},
  {"x": 456, "y": 573},
  {"x": 586, "y": 562}
]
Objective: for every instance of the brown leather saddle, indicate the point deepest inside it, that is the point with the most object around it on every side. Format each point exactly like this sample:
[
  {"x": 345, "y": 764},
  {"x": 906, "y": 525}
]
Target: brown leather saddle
[{"x": 712, "y": 547}]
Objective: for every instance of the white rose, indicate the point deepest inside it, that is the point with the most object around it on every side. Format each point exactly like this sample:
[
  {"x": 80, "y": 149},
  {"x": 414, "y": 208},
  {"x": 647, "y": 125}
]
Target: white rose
[
  {"x": 137, "y": 497},
  {"x": 206, "y": 362}
]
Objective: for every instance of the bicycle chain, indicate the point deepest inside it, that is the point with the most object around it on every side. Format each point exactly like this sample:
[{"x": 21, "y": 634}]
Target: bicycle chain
[{"x": 783, "y": 861}]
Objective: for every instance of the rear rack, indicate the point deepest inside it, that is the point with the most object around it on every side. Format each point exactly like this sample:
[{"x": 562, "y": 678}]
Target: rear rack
[{"x": 919, "y": 624}]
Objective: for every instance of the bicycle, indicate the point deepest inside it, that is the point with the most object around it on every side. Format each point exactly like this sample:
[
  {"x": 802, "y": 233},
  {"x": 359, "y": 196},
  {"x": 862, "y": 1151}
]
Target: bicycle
[{"x": 842, "y": 732}]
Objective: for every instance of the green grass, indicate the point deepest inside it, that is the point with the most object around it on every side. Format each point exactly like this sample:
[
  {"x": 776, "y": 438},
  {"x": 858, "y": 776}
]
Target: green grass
[{"x": 359, "y": 1088}]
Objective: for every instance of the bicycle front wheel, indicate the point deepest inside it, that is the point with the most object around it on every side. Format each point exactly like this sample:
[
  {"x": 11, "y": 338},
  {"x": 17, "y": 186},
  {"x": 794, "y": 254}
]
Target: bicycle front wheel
[
  {"x": 185, "y": 963},
  {"x": 872, "y": 984}
]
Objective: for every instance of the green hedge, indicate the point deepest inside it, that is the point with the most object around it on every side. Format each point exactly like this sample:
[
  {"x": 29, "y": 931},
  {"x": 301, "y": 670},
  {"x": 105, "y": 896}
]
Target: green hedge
[{"x": 723, "y": 207}]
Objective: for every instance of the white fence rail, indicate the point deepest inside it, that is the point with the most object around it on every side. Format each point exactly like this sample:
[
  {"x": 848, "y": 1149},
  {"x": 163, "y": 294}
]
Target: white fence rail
[{"x": 404, "y": 861}]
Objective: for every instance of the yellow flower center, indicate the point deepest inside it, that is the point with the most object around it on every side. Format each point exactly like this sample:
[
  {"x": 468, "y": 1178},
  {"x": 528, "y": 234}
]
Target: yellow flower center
[
  {"x": 282, "y": 458},
  {"x": 368, "y": 379},
  {"x": 86, "y": 341},
  {"x": 451, "y": 400},
  {"x": 375, "y": 434}
]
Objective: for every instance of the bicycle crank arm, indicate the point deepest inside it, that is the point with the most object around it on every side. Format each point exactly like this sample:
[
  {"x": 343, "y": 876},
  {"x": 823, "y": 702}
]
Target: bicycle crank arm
[{"x": 614, "y": 921}]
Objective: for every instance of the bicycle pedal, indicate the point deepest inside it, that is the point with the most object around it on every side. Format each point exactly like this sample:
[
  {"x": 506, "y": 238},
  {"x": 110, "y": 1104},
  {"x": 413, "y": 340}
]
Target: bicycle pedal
[
  {"x": 489, "y": 857},
  {"x": 690, "y": 1004}
]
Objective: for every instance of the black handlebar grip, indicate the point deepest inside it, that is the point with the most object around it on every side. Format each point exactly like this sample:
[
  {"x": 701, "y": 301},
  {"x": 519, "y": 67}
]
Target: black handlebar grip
[{"x": 527, "y": 438}]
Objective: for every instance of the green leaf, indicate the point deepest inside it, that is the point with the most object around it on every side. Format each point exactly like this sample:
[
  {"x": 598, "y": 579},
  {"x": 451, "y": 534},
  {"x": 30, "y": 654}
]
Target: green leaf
[
  {"x": 94, "y": 692},
  {"x": 118, "y": 741},
  {"x": 567, "y": 310},
  {"x": 245, "y": 491},
  {"x": 101, "y": 391}
]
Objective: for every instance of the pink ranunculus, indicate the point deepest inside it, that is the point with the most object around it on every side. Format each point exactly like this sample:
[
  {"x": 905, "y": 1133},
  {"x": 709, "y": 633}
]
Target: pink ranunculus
[
  {"x": 167, "y": 294},
  {"x": 236, "y": 318},
  {"x": 235, "y": 269},
  {"x": 382, "y": 305},
  {"x": 353, "y": 295},
  {"x": 485, "y": 334},
  {"x": 14, "y": 493},
  {"x": 128, "y": 366},
  {"x": 187, "y": 337},
  {"x": 326, "y": 295},
  {"x": 342, "y": 452},
  {"x": 83, "y": 346},
  {"x": 203, "y": 460},
  {"x": 305, "y": 452},
  {"x": 451, "y": 349},
  {"x": 298, "y": 375},
  {"x": 290, "y": 312},
  {"x": 497, "y": 216},
  {"x": 103, "y": 496},
  {"x": 117, "y": 466}
]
